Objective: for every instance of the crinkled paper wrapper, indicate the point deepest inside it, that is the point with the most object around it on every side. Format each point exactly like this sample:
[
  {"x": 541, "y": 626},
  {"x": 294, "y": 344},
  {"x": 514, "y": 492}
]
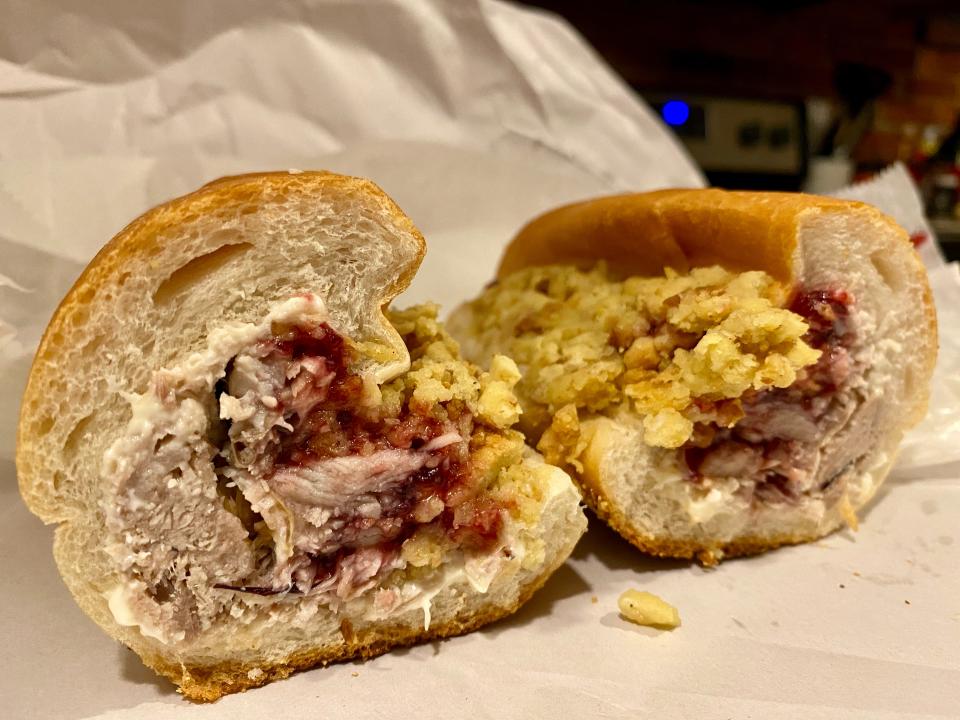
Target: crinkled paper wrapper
[{"x": 475, "y": 116}]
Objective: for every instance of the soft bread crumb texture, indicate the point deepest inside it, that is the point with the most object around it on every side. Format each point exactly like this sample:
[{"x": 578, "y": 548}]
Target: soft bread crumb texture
[
  {"x": 680, "y": 350},
  {"x": 645, "y": 608},
  {"x": 208, "y": 683}
]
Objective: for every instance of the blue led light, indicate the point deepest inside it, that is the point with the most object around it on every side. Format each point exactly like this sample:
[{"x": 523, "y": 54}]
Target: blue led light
[{"x": 675, "y": 112}]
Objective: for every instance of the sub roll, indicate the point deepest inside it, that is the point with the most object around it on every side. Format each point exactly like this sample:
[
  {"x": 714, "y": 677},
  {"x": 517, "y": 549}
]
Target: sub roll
[
  {"x": 254, "y": 466},
  {"x": 722, "y": 372}
]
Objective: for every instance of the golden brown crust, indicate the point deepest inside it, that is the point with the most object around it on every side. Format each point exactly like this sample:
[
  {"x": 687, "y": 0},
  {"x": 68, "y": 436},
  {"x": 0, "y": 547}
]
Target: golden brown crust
[
  {"x": 209, "y": 683},
  {"x": 642, "y": 233},
  {"x": 141, "y": 239}
]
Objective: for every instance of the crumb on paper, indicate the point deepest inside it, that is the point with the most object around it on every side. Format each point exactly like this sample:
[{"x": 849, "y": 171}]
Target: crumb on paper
[
  {"x": 906, "y": 602},
  {"x": 354, "y": 674},
  {"x": 856, "y": 574},
  {"x": 594, "y": 599},
  {"x": 645, "y": 608},
  {"x": 710, "y": 557},
  {"x": 842, "y": 586}
]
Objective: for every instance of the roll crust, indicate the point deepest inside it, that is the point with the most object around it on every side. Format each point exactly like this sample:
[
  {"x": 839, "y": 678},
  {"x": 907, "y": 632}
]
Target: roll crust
[{"x": 643, "y": 233}]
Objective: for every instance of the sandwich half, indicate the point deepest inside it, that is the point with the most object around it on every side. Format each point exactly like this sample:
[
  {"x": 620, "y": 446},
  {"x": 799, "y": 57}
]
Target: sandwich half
[
  {"x": 254, "y": 467},
  {"x": 722, "y": 372}
]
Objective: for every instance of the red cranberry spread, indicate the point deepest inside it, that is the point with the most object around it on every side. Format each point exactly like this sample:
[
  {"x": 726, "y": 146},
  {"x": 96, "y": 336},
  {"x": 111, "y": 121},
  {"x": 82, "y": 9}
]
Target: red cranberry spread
[{"x": 411, "y": 464}]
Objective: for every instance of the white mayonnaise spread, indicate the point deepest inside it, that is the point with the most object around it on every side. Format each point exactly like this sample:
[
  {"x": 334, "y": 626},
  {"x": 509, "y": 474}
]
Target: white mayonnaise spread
[{"x": 166, "y": 524}]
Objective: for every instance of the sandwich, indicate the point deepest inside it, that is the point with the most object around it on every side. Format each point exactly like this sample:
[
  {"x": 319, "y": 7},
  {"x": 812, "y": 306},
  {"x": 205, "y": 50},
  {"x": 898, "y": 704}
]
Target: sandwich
[
  {"x": 255, "y": 466},
  {"x": 722, "y": 372}
]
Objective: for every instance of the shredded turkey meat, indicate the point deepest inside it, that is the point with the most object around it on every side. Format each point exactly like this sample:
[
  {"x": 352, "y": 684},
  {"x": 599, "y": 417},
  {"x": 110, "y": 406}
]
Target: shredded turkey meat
[
  {"x": 331, "y": 478},
  {"x": 775, "y": 448}
]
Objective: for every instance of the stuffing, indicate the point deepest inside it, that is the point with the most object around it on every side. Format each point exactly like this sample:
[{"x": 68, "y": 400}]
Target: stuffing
[{"x": 678, "y": 350}]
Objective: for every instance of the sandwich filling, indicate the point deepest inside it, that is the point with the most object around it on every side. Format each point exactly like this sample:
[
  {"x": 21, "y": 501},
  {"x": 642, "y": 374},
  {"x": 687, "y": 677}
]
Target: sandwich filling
[
  {"x": 737, "y": 379},
  {"x": 271, "y": 467}
]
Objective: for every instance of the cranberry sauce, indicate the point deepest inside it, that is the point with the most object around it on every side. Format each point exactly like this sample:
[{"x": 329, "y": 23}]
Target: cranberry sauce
[
  {"x": 827, "y": 312},
  {"x": 338, "y": 425}
]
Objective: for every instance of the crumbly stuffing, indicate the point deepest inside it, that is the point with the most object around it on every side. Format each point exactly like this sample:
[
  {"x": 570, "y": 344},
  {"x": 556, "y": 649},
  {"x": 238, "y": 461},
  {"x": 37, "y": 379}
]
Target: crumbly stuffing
[
  {"x": 427, "y": 547},
  {"x": 679, "y": 349},
  {"x": 563, "y": 439},
  {"x": 520, "y": 489},
  {"x": 439, "y": 375}
]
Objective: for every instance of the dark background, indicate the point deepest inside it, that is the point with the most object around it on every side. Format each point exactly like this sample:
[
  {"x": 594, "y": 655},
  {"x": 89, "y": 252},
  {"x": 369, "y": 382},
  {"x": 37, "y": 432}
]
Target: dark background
[{"x": 877, "y": 79}]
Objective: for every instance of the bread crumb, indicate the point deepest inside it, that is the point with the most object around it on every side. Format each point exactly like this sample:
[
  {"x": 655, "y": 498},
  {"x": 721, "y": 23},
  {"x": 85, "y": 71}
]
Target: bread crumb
[
  {"x": 710, "y": 557},
  {"x": 645, "y": 608},
  {"x": 562, "y": 442},
  {"x": 354, "y": 674},
  {"x": 594, "y": 599},
  {"x": 497, "y": 402},
  {"x": 849, "y": 515}
]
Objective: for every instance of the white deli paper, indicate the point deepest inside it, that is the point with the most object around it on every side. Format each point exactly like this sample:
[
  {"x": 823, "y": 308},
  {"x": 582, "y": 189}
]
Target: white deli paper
[{"x": 474, "y": 116}]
